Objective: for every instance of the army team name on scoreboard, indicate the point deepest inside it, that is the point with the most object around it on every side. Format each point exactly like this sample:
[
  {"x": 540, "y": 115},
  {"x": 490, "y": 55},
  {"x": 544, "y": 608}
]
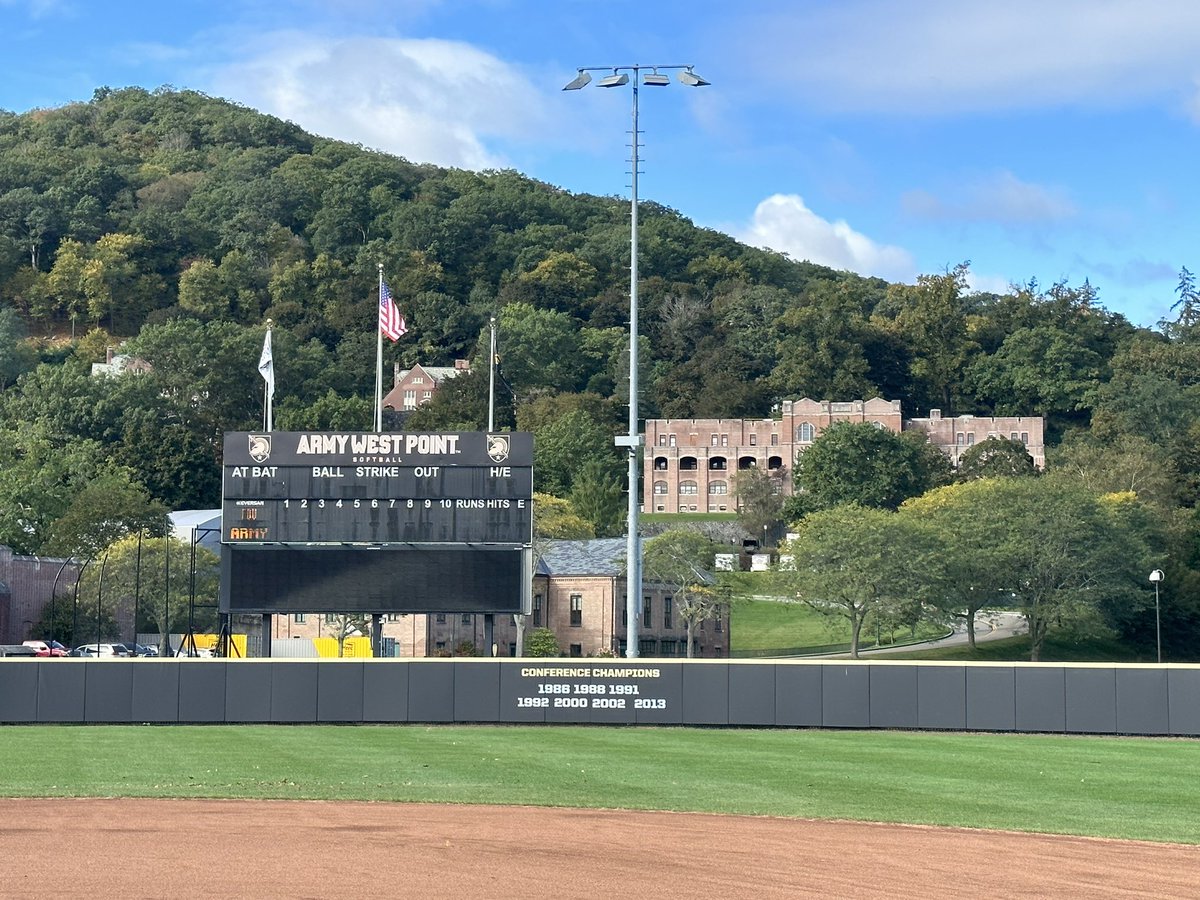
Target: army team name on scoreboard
[{"x": 377, "y": 488}]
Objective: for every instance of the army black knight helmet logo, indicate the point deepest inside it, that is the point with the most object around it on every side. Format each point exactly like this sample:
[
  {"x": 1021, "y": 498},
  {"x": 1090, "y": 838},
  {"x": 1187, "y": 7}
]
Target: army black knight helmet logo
[
  {"x": 260, "y": 447},
  {"x": 497, "y": 447}
]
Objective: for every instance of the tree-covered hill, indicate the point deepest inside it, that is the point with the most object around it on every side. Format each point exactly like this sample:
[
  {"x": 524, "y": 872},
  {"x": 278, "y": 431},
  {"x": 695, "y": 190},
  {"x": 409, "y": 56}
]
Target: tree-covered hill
[{"x": 180, "y": 223}]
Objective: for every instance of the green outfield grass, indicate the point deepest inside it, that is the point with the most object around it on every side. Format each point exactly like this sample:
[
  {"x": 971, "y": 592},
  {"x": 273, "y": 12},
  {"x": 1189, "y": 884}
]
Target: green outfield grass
[{"x": 1114, "y": 787}]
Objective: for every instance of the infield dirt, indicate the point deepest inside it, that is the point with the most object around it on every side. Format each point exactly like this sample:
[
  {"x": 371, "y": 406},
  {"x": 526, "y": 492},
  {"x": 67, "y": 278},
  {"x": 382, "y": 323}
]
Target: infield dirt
[{"x": 111, "y": 848}]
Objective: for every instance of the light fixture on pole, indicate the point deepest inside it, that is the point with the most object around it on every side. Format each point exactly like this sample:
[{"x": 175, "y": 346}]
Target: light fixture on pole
[
  {"x": 1156, "y": 578},
  {"x": 618, "y": 76}
]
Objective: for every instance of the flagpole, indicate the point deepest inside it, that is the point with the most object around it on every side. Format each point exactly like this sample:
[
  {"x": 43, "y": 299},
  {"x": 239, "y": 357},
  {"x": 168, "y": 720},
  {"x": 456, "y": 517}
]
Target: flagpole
[
  {"x": 492, "y": 379},
  {"x": 271, "y": 386},
  {"x": 266, "y": 368},
  {"x": 379, "y": 361}
]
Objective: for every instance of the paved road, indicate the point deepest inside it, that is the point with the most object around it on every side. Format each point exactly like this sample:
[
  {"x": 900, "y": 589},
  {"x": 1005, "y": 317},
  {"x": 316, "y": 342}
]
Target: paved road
[{"x": 992, "y": 626}]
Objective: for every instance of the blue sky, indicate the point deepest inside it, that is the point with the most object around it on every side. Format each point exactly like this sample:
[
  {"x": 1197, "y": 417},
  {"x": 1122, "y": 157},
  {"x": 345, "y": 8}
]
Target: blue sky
[{"x": 1047, "y": 139}]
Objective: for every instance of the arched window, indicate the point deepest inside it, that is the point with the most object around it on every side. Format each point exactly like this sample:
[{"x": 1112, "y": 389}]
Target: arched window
[
  {"x": 660, "y": 463},
  {"x": 775, "y": 462},
  {"x": 716, "y": 463},
  {"x": 805, "y": 432},
  {"x": 687, "y": 487},
  {"x": 660, "y": 487},
  {"x": 747, "y": 462},
  {"x": 687, "y": 463},
  {"x": 718, "y": 487}
]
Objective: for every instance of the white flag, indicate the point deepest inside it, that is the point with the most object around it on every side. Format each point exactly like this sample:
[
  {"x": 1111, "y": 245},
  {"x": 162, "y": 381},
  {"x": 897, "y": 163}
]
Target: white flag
[{"x": 266, "y": 365}]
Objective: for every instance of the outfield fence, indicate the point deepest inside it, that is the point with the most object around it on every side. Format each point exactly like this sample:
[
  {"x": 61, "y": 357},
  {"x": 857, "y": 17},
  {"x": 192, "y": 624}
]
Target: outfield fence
[{"x": 1024, "y": 697}]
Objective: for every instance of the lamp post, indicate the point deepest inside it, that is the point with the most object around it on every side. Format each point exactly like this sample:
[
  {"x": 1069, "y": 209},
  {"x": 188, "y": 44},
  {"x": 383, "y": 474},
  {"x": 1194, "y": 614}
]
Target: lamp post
[
  {"x": 618, "y": 76},
  {"x": 1155, "y": 578}
]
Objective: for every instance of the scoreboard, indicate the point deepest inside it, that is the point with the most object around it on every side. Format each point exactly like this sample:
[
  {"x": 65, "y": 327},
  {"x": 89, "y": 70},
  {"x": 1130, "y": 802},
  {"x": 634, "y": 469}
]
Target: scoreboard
[
  {"x": 379, "y": 522},
  {"x": 298, "y": 487}
]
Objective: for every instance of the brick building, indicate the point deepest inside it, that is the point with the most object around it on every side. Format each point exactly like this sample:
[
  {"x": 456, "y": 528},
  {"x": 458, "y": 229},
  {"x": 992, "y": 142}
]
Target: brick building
[
  {"x": 415, "y": 386},
  {"x": 579, "y": 593},
  {"x": 691, "y": 465},
  {"x": 27, "y": 584}
]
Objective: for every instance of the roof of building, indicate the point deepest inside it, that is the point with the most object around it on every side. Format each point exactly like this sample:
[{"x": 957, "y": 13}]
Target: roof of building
[
  {"x": 202, "y": 524},
  {"x": 437, "y": 373},
  {"x": 600, "y": 556}
]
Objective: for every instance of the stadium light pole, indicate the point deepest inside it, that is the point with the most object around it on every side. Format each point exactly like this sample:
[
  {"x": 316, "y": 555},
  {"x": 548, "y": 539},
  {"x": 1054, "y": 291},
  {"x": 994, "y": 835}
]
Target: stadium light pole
[
  {"x": 619, "y": 76},
  {"x": 1156, "y": 578}
]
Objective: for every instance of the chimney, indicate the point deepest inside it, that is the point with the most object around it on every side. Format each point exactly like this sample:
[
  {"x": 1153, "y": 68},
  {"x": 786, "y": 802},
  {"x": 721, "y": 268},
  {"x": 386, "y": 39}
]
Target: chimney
[
  {"x": 395, "y": 374},
  {"x": 462, "y": 365},
  {"x": 935, "y": 414}
]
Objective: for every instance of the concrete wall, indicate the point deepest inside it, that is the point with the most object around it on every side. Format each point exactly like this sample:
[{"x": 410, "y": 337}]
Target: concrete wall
[{"x": 1093, "y": 698}]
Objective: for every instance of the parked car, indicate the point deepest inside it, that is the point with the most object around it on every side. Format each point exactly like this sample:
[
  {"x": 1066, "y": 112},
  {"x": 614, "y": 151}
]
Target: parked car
[
  {"x": 100, "y": 650},
  {"x": 195, "y": 653},
  {"x": 17, "y": 650},
  {"x": 47, "y": 648},
  {"x": 135, "y": 649}
]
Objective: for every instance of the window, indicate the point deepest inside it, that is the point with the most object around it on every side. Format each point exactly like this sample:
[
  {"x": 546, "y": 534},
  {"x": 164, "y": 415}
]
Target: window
[
  {"x": 714, "y": 440},
  {"x": 774, "y": 440},
  {"x": 660, "y": 464},
  {"x": 753, "y": 440},
  {"x": 440, "y": 645},
  {"x": 410, "y": 399},
  {"x": 576, "y": 610},
  {"x": 970, "y": 440},
  {"x": 669, "y": 648},
  {"x": 688, "y": 487},
  {"x": 724, "y": 440},
  {"x": 1013, "y": 435},
  {"x": 392, "y": 617},
  {"x": 671, "y": 441},
  {"x": 960, "y": 439},
  {"x": 646, "y": 616},
  {"x": 1024, "y": 437},
  {"x": 717, "y": 464},
  {"x": 624, "y": 612},
  {"x": 662, "y": 440},
  {"x": 466, "y": 618},
  {"x": 418, "y": 379},
  {"x": 577, "y": 649},
  {"x": 440, "y": 619},
  {"x": 537, "y": 610},
  {"x": 660, "y": 487},
  {"x": 687, "y": 464},
  {"x": 512, "y": 648},
  {"x": 804, "y": 432},
  {"x": 648, "y": 647},
  {"x": 330, "y": 618},
  {"x": 426, "y": 396},
  {"x": 667, "y": 604},
  {"x": 719, "y": 626},
  {"x": 718, "y": 487},
  {"x": 299, "y": 618}
]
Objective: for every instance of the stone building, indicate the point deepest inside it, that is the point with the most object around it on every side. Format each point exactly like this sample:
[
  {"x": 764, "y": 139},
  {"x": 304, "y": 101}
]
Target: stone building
[
  {"x": 691, "y": 465},
  {"x": 415, "y": 386}
]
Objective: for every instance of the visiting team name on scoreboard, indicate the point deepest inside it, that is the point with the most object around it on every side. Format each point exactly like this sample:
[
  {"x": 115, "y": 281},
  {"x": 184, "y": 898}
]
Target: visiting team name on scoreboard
[{"x": 355, "y": 487}]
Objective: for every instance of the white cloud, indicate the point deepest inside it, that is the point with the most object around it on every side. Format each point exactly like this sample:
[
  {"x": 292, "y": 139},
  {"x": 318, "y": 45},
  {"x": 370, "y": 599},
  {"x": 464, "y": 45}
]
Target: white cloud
[
  {"x": 782, "y": 222},
  {"x": 430, "y": 100},
  {"x": 945, "y": 56},
  {"x": 988, "y": 284},
  {"x": 1002, "y": 198}
]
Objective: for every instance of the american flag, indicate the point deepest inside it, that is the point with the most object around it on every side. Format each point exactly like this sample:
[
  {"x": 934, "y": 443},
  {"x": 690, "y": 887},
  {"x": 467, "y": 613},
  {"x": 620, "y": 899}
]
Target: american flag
[{"x": 391, "y": 320}]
